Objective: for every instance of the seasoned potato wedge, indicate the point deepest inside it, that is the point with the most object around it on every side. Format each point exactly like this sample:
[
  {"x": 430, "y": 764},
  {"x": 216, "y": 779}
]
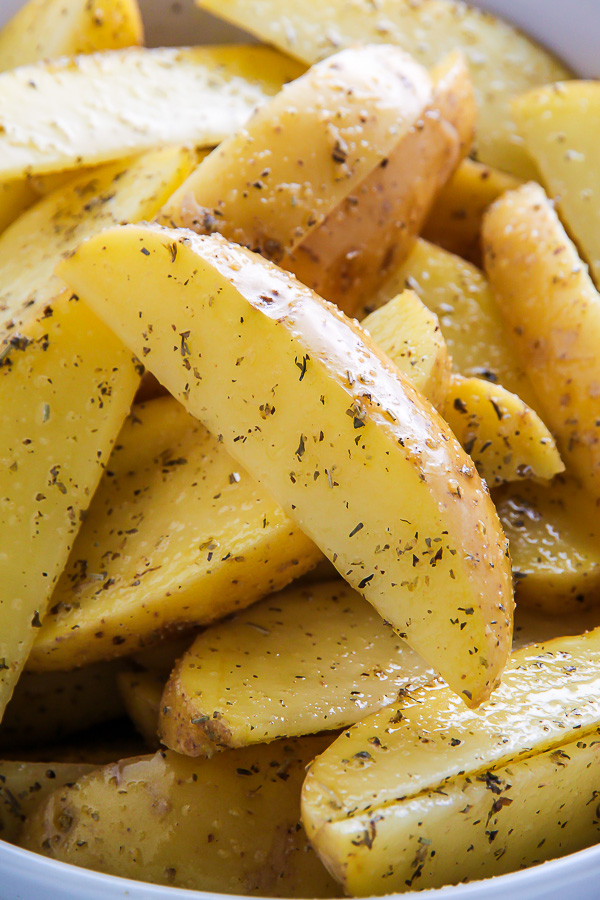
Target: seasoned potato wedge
[
  {"x": 455, "y": 219},
  {"x": 46, "y": 29},
  {"x": 398, "y": 800},
  {"x": 410, "y": 335},
  {"x": 369, "y": 470},
  {"x": 302, "y": 661},
  {"x": 122, "y": 102},
  {"x": 141, "y": 693},
  {"x": 66, "y": 385},
  {"x": 177, "y": 535},
  {"x": 477, "y": 339},
  {"x": 229, "y": 824},
  {"x": 46, "y": 708},
  {"x": 268, "y": 186},
  {"x": 24, "y": 785},
  {"x": 557, "y": 122},
  {"x": 347, "y": 257},
  {"x": 504, "y": 437},
  {"x": 553, "y": 310},
  {"x": 428, "y": 30},
  {"x": 554, "y": 544}
]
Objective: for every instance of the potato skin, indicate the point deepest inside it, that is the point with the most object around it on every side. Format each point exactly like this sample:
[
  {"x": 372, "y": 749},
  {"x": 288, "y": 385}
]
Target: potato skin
[{"x": 364, "y": 432}]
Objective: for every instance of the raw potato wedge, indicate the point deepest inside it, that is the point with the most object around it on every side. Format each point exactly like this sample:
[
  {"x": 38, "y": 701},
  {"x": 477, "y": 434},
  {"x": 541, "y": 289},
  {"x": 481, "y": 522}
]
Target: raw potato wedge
[
  {"x": 559, "y": 124},
  {"x": 121, "y": 102},
  {"x": 504, "y": 437},
  {"x": 66, "y": 385},
  {"x": 554, "y": 544},
  {"x": 46, "y": 29},
  {"x": 276, "y": 180},
  {"x": 458, "y": 293},
  {"x": 398, "y": 800},
  {"x": 141, "y": 693},
  {"x": 302, "y": 661},
  {"x": 428, "y": 30},
  {"x": 410, "y": 335},
  {"x": 177, "y": 535},
  {"x": 46, "y": 708},
  {"x": 348, "y": 256},
  {"x": 24, "y": 785},
  {"x": 455, "y": 219},
  {"x": 368, "y": 470},
  {"x": 229, "y": 824},
  {"x": 553, "y": 310}
]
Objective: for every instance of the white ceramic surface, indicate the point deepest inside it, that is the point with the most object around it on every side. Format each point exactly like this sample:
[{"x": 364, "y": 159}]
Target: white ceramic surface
[{"x": 571, "y": 28}]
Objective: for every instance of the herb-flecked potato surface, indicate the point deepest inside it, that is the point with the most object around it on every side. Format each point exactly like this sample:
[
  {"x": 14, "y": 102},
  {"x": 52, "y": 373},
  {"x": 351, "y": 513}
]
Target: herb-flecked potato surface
[
  {"x": 228, "y": 824},
  {"x": 397, "y": 800},
  {"x": 429, "y": 554}
]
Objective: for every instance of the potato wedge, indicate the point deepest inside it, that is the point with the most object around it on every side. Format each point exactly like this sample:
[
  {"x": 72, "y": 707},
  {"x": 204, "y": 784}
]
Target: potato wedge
[
  {"x": 504, "y": 437},
  {"x": 454, "y": 222},
  {"x": 66, "y": 385},
  {"x": 302, "y": 661},
  {"x": 276, "y": 180},
  {"x": 46, "y": 708},
  {"x": 410, "y": 335},
  {"x": 229, "y": 824},
  {"x": 46, "y": 29},
  {"x": 217, "y": 312},
  {"x": 141, "y": 693},
  {"x": 557, "y": 122},
  {"x": 553, "y": 310},
  {"x": 16, "y": 196},
  {"x": 347, "y": 257},
  {"x": 398, "y": 799},
  {"x": 477, "y": 339},
  {"x": 428, "y": 30},
  {"x": 123, "y": 102},
  {"x": 554, "y": 544},
  {"x": 24, "y": 785},
  {"x": 177, "y": 535}
]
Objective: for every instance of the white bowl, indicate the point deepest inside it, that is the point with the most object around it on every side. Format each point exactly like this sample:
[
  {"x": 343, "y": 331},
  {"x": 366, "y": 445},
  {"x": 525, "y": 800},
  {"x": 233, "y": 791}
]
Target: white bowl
[{"x": 571, "y": 28}]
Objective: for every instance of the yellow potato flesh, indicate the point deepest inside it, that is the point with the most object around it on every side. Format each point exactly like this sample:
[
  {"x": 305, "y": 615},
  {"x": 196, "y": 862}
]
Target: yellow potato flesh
[
  {"x": 46, "y": 708},
  {"x": 373, "y": 229},
  {"x": 558, "y": 124},
  {"x": 478, "y": 341},
  {"x": 16, "y": 195},
  {"x": 553, "y": 310},
  {"x": 104, "y": 106},
  {"x": 455, "y": 219},
  {"x": 177, "y": 535},
  {"x": 24, "y": 785},
  {"x": 504, "y": 437},
  {"x": 554, "y": 544},
  {"x": 141, "y": 693},
  {"x": 410, "y": 335},
  {"x": 428, "y": 30},
  {"x": 45, "y": 29},
  {"x": 302, "y": 661},
  {"x": 66, "y": 385},
  {"x": 364, "y": 796},
  {"x": 367, "y": 470},
  {"x": 268, "y": 186},
  {"x": 229, "y": 824},
  {"x": 500, "y": 821}
]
